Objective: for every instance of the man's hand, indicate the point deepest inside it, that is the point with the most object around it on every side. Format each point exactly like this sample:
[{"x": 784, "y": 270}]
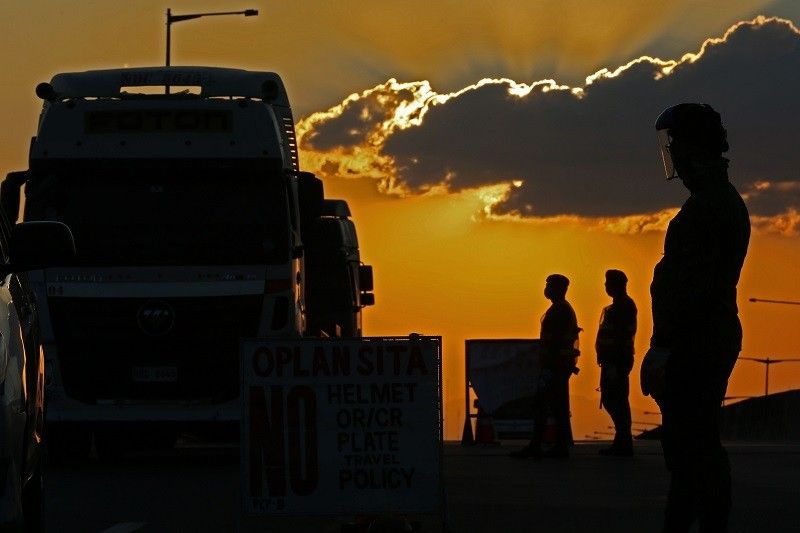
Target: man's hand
[{"x": 653, "y": 372}]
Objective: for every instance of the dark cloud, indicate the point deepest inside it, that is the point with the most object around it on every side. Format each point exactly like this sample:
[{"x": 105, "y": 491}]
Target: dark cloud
[
  {"x": 772, "y": 198},
  {"x": 597, "y": 155},
  {"x": 357, "y": 119}
]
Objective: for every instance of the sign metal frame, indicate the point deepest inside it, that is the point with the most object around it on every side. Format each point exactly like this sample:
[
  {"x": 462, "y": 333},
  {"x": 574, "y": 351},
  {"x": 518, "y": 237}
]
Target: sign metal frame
[{"x": 469, "y": 414}]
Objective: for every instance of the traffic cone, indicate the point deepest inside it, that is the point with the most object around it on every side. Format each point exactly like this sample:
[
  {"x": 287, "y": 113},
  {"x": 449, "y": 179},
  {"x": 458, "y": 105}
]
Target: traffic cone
[
  {"x": 484, "y": 429},
  {"x": 550, "y": 434},
  {"x": 466, "y": 435}
]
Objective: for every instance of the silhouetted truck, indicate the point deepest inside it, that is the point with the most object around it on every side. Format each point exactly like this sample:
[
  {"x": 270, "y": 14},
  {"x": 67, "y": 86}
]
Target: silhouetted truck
[
  {"x": 194, "y": 228},
  {"x": 338, "y": 284}
]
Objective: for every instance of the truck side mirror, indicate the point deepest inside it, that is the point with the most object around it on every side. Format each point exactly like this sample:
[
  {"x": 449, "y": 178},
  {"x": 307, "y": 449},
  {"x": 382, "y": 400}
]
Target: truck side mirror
[
  {"x": 367, "y": 299},
  {"x": 311, "y": 192},
  {"x": 10, "y": 193},
  {"x": 40, "y": 244},
  {"x": 365, "y": 282}
]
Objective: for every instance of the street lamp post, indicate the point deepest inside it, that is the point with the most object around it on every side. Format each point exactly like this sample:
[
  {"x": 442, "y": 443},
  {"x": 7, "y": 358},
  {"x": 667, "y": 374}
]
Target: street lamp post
[
  {"x": 171, "y": 19},
  {"x": 766, "y": 361}
]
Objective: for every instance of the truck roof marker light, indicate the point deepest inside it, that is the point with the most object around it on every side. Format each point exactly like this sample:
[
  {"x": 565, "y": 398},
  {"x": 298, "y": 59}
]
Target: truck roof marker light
[
  {"x": 269, "y": 90},
  {"x": 45, "y": 91}
]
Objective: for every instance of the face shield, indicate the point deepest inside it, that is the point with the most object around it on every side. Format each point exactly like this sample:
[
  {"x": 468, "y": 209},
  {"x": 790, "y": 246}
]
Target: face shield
[{"x": 664, "y": 141}]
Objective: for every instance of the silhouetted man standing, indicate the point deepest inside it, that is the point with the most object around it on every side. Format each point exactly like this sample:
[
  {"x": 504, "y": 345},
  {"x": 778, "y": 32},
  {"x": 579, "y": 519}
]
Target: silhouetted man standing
[
  {"x": 696, "y": 330},
  {"x": 614, "y": 347},
  {"x": 558, "y": 353}
]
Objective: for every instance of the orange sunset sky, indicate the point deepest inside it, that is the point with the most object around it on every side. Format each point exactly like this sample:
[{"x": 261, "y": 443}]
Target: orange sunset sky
[{"x": 469, "y": 178}]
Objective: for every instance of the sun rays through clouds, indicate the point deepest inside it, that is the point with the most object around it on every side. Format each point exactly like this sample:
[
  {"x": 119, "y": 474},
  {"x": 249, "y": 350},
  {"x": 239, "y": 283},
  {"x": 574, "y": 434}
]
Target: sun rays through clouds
[{"x": 544, "y": 151}]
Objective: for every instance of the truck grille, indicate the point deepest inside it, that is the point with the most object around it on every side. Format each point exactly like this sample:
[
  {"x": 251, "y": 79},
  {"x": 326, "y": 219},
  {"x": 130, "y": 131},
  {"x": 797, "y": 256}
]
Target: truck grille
[{"x": 132, "y": 349}]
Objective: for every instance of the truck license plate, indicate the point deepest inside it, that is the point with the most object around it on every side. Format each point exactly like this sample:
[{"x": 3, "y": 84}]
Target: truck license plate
[{"x": 155, "y": 374}]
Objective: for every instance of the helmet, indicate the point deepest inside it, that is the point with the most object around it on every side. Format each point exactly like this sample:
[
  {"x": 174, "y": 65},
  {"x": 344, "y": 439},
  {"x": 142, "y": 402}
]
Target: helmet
[
  {"x": 556, "y": 286},
  {"x": 616, "y": 276},
  {"x": 558, "y": 280},
  {"x": 689, "y": 128}
]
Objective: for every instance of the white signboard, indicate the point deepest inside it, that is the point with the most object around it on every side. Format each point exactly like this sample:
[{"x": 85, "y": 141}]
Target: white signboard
[
  {"x": 502, "y": 370},
  {"x": 341, "y": 426}
]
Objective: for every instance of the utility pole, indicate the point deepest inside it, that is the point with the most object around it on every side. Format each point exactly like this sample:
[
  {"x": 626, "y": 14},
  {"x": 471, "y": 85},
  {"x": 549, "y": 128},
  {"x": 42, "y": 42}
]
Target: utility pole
[{"x": 766, "y": 361}]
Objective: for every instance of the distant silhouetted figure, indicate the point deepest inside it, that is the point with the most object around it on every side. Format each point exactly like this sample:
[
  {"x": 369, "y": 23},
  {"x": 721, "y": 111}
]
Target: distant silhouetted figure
[
  {"x": 696, "y": 330},
  {"x": 614, "y": 348},
  {"x": 558, "y": 353}
]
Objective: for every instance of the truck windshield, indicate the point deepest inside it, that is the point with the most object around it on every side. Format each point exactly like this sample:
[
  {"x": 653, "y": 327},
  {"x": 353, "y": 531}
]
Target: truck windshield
[{"x": 146, "y": 215}]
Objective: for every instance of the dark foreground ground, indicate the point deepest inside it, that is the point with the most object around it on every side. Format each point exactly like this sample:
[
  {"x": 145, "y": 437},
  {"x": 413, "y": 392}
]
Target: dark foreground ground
[{"x": 196, "y": 489}]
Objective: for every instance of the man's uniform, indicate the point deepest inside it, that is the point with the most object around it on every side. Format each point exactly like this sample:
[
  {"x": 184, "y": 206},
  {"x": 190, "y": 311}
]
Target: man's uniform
[
  {"x": 614, "y": 349},
  {"x": 559, "y": 341},
  {"x": 697, "y": 335},
  {"x": 695, "y": 316}
]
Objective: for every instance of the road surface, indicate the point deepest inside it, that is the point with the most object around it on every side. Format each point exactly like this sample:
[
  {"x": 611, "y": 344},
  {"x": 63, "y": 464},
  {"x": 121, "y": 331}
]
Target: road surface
[{"x": 195, "y": 488}]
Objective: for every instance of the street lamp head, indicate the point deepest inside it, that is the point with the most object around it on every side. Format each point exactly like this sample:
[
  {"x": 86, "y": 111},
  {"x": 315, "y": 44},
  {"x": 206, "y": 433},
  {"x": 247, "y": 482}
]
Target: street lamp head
[{"x": 250, "y": 12}]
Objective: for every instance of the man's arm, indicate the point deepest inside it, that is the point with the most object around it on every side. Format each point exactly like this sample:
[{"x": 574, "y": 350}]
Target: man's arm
[
  {"x": 683, "y": 285},
  {"x": 616, "y": 333},
  {"x": 559, "y": 332}
]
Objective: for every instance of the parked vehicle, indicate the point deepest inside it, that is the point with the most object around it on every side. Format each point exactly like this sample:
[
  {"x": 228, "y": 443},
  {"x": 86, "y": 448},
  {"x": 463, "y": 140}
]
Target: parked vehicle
[
  {"x": 338, "y": 284},
  {"x": 24, "y": 247},
  {"x": 182, "y": 188}
]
